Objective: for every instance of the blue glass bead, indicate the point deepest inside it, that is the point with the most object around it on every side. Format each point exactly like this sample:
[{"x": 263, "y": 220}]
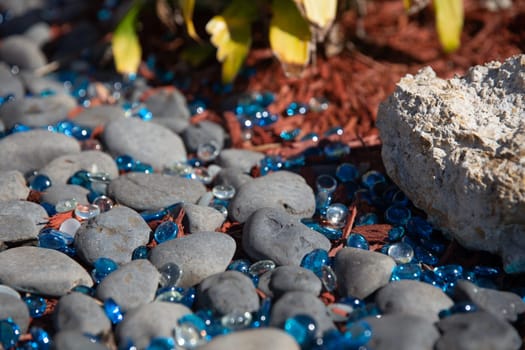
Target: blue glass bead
[
  {"x": 424, "y": 256},
  {"x": 9, "y": 333},
  {"x": 336, "y": 130},
  {"x": 328, "y": 232},
  {"x": 358, "y": 333},
  {"x": 312, "y": 136},
  {"x": 400, "y": 198},
  {"x": 65, "y": 127},
  {"x": 80, "y": 178},
  {"x": 265, "y": 98},
  {"x": 315, "y": 260},
  {"x": 295, "y": 108},
  {"x": 19, "y": 128},
  {"x": 36, "y": 305},
  {"x": 367, "y": 219},
  {"x": 270, "y": 163},
  {"x": 397, "y": 215},
  {"x": 262, "y": 316},
  {"x": 420, "y": 227},
  {"x": 81, "y": 132},
  {"x": 40, "y": 183},
  {"x": 166, "y": 231},
  {"x": 144, "y": 114},
  {"x": 161, "y": 343},
  {"x": 112, "y": 310},
  {"x": 449, "y": 273},
  {"x": 406, "y": 272},
  {"x": 240, "y": 265},
  {"x": 125, "y": 162},
  {"x": 54, "y": 239},
  {"x": 141, "y": 252},
  {"x": 143, "y": 168},
  {"x": 170, "y": 294},
  {"x": 102, "y": 268},
  {"x": 430, "y": 277},
  {"x": 295, "y": 162},
  {"x": 459, "y": 308},
  {"x": 150, "y": 215},
  {"x": 347, "y": 172},
  {"x": 197, "y": 106},
  {"x": 371, "y": 178},
  {"x": 302, "y": 328},
  {"x": 434, "y": 245},
  {"x": 190, "y": 331},
  {"x": 370, "y": 309},
  {"x": 486, "y": 271},
  {"x": 335, "y": 150},
  {"x": 396, "y": 233},
  {"x": 6, "y": 98},
  {"x": 84, "y": 290},
  {"x": 357, "y": 240},
  {"x": 41, "y": 339},
  {"x": 354, "y": 302}
]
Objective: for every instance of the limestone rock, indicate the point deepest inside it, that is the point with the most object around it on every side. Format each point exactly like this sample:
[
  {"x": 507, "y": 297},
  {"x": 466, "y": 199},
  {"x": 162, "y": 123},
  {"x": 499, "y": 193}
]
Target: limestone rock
[{"x": 457, "y": 149}]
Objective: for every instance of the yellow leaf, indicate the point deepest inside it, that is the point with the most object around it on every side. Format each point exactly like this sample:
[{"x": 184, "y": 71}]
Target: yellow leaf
[
  {"x": 319, "y": 12},
  {"x": 407, "y": 4},
  {"x": 289, "y": 35},
  {"x": 231, "y": 35},
  {"x": 449, "y": 23},
  {"x": 187, "y": 7},
  {"x": 125, "y": 44}
]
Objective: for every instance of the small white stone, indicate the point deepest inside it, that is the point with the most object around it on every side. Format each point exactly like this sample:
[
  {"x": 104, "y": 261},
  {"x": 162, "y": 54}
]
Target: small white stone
[{"x": 70, "y": 226}]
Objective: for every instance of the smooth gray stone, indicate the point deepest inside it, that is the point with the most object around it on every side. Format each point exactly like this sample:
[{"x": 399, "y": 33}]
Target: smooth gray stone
[
  {"x": 232, "y": 176},
  {"x": 142, "y": 191},
  {"x": 294, "y": 278},
  {"x": 503, "y": 304},
  {"x": 169, "y": 109},
  {"x": 58, "y": 192},
  {"x": 41, "y": 271},
  {"x": 36, "y": 85},
  {"x": 132, "y": 285},
  {"x": 414, "y": 298},
  {"x": 198, "y": 255},
  {"x": 361, "y": 272},
  {"x": 113, "y": 234},
  {"x": 201, "y": 218},
  {"x": 21, "y": 7},
  {"x": 33, "y": 149},
  {"x": 99, "y": 115},
  {"x": 156, "y": 319},
  {"x": 39, "y": 33},
  {"x": 281, "y": 189},
  {"x": 22, "y": 52},
  {"x": 16, "y": 228},
  {"x": 227, "y": 292},
  {"x": 253, "y": 339},
  {"x": 10, "y": 84},
  {"x": 264, "y": 283},
  {"x": 477, "y": 330},
  {"x": 34, "y": 211},
  {"x": 62, "y": 168},
  {"x": 273, "y": 234},
  {"x": 15, "y": 308},
  {"x": 74, "y": 340},
  {"x": 203, "y": 132},
  {"x": 82, "y": 313},
  {"x": 145, "y": 141},
  {"x": 402, "y": 332},
  {"x": 297, "y": 303},
  {"x": 241, "y": 159},
  {"x": 13, "y": 185}
]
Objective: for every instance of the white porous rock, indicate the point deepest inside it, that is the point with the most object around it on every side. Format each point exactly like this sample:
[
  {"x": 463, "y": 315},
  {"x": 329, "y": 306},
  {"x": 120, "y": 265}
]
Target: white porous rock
[{"x": 457, "y": 149}]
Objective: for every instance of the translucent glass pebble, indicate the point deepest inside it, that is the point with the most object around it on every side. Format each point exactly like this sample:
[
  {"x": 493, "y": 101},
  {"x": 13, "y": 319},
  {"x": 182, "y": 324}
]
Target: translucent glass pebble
[
  {"x": 161, "y": 343},
  {"x": 223, "y": 191},
  {"x": 241, "y": 265},
  {"x": 112, "y": 310},
  {"x": 40, "y": 183},
  {"x": 260, "y": 267},
  {"x": 347, "y": 172},
  {"x": 336, "y": 215},
  {"x": 84, "y": 290},
  {"x": 406, "y": 272},
  {"x": 208, "y": 151},
  {"x": 397, "y": 215},
  {"x": 328, "y": 278},
  {"x": 141, "y": 252},
  {"x": 202, "y": 174},
  {"x": 170, "y": 274},
  {"x": 103, "y": 203},
  {"x": 166, "y": 231},
  {"x": 315, "y": 260},
  {"x": 190, "y": 332},
  {"x": 325, "y": 185},
  {"x": 86, "y": 211},
  {"x": 396, "y": 233},
  {"x": 99, "y": 182},
  {"x": 401, "y": 252},
  {"x": 80, "y": 178},
  {"x": 36, "y": 305},
  {"x": 357, "y": 240},
  {"x": 372, "y": 177},
  {"x": 302, "y": 328},
  {"x": 9, "y": 333},
  {"x": 70, "y": 226},
  {"x": 66, "y": 205},
  {"x": 367, "y": 219},
  {"x": 339, "y": 312},
  {"x": 102, "y": 267},
  {"x": 236, "y": 320}
]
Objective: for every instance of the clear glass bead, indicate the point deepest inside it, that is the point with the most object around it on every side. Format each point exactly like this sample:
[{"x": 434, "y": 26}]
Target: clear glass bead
[
  {"x": 401, "y": 252},
  {"x": 170, "y": 274},
  {"x": 336, "y": 215},
  {"x": 179, "y": 169},
  {"x": 190, "y": 332},
  {"x": 170, "y": 294},
  {"x": 223, "y": 191},
  {"x": 66, "y": 205},
  {"x": 328, "y": 278},
  {"x": 260, "y": 267},
  {"x": 208, "y": 151},
  {"x": 103, "y": 203},
  {"x": 236, "y": 320},
  {"x": 86, "y": 212}
]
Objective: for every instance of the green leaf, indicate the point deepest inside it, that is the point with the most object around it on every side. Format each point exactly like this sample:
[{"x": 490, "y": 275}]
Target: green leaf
[
  {"x": 125, "y": 43},
  {"x": 449, "y": 23},
  {"x": 231, "y": 35},
  {"x": 197, "y": 54},
  {"x": 290, "y": 36},
  {"x": 187, "y": 7}
]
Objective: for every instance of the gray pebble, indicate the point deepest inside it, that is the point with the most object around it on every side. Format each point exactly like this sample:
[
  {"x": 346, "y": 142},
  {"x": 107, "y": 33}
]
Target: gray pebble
[
  {"x": 33, "y": 149},
  {"x": 414, "y": 298},
  {"x": 203, "y": 132},
  {"x": 16, "y": 309},
  {"x": 156, "y": 319},
  {"x": 62, "y": 168},
  {"x": 227, "y": 292},
  {"x": 503, "y": 304},
  {"x": 22, "y": 52},
  {"x": 145, "y": 141},
  {"x": 169, "y": 109},
  {"x": 402, "y": 332},
  {"x": 41, "y": 271},
  {"x": 99, "y": 115},
  {"x": 39, "y": 33},
  {"x": 13, "y": 185},
  {"x": 201, "y": 218},
  {"x": 264, "y": 283},
  {"x": 273, "y": 234},
  {"x": 198, "y": 255},
  {"x": 294, "y": 278},
  {"x": 154, "y": 191},
  {"x": 282, "y": 189},
  {"x": 21, "y": 7},
  {"x": 296, "y": 303},
  {"x": 361, "y": 272},
  {"x": 253, "y": 339},
  {"x": 10, "y": 84},
  {"x": 241, "y": 159},
  {"x": 58, "y": 192},
  {"x": 17, "y": 207},
  {"x": 113, "y": 234},
  {"x": 477, "y": 330},
  {"x": 132, "y": 285},
  {"x": 82, "y": 313},
  {"x": 16, "y": 228},
  {"x": 36, "y": 84},
  {"x": 75, "y": 340},
  {"x": 232, "y": 176}
]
